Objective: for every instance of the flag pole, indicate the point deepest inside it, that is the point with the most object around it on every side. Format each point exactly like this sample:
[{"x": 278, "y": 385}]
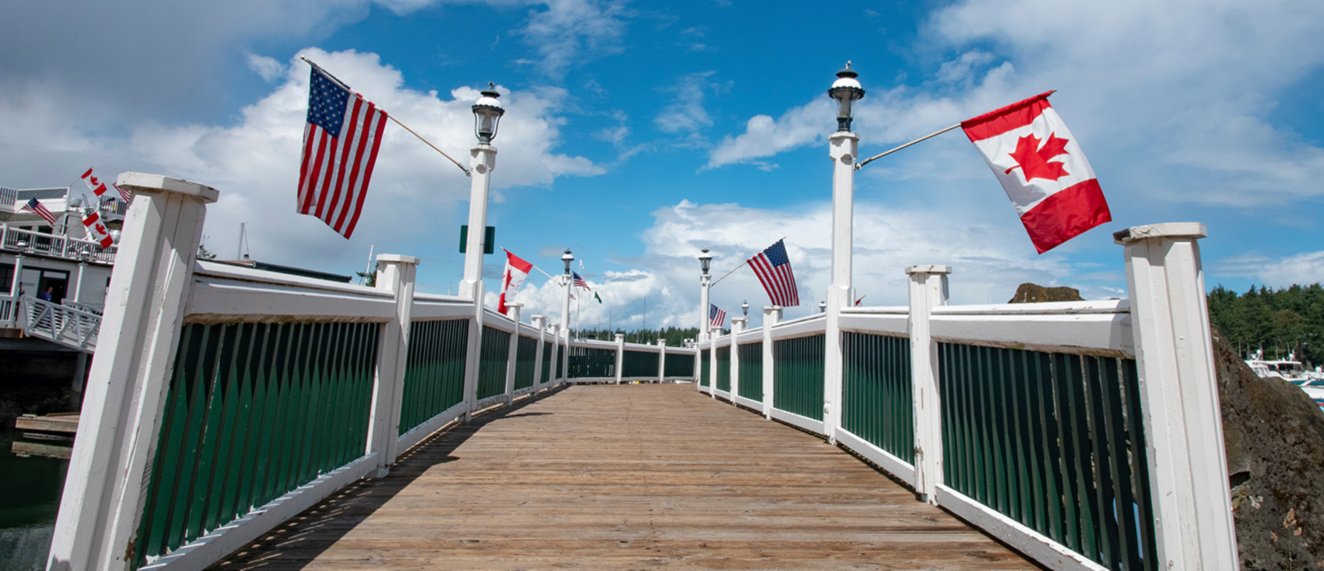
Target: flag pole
[
  {"x": 919, "y": 140},
  {"x": 742, "y": 264},
  {"x": 389, "y": 116}
]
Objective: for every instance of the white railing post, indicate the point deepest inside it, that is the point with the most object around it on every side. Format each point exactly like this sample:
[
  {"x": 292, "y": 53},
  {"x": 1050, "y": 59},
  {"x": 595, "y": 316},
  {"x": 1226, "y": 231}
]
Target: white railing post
[
  {"x": 928, "y": 289},
  {"x": 737, "y": 326},
  {"x": 474, "y": 352},
  {"x": 104, "y": 490},
  {"x": 772, "y": 315},
  {"x": 554, "y": 377},
  {"x": 512, "y": 357},
  {"x": 1179, "y": 397},
  {"x": 540, "y": 324},
  {"x": 14, "y": 287},
  {"x": 397, "y": 275},
  {"x": 620, "y": 356},
  {"x": 661, "y": 360}
]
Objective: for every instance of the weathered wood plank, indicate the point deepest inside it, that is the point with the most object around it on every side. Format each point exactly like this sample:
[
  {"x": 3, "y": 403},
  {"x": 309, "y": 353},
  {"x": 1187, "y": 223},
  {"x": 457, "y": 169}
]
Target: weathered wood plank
[{"x": 619, "y": 477}]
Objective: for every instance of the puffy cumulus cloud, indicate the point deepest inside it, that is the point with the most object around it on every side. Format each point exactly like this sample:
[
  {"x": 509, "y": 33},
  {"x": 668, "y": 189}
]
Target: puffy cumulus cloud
[
  {"x": 255, "y": 163},
  {"x": 686, "y": 111},
  {"x": 765, "y": 136},
  {"x": 1303, "y": 269}
]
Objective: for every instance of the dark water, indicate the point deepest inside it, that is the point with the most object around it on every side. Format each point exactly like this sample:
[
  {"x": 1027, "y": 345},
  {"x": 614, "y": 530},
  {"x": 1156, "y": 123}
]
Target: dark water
[{"x": 29, "y": 500}]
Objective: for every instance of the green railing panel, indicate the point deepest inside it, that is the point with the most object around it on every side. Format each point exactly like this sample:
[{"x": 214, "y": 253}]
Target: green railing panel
[
  {"x": 723, "y": 377},
  {"x": 252, "y": 412},
  {"x": 434, "y": 370},
  {"x": 1054, "y": 441},
  {"x": 797, "y": 375},
  {"x": 877, "y": 403},
  {"x": 705, "y": 366},
  {"x": 493, "y": 359},
  {"x": 546, "y": 362},
  {"x": 592, "y": 363},
  {"x": 750, "y": 383},
  {"x": 526, "y": 356},
  {"x": 639, "y": 364},
  {"x": 679, "y": 366}
]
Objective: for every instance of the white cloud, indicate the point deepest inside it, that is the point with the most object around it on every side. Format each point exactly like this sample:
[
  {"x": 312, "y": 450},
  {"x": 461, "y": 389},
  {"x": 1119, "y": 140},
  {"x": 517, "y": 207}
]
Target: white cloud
[
  {"x": 268, "y": 68},
  {"x": 686, "y": 112},
  {"x": 765, "y": 136},
  {"x": 571, "y": 32},
  {"x": 1300, "y": 269}
]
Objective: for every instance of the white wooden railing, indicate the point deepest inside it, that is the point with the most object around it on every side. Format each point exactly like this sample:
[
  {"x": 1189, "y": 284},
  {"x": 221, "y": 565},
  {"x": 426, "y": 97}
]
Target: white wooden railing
[
  {"x": 62, "y": 324},
  {"x": 31, "y": 242},
  {"x": 1085, "y": 434},
  {"x": 309, "y": 385}
]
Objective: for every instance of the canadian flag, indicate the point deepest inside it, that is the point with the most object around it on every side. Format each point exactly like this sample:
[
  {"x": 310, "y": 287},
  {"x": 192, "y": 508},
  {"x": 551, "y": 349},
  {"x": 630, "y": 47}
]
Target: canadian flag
[
  {"x": 1042, "y": 168},
  {"x": 99, "y": 188},
  {"x": 516, "y": 270},
  {"x": 96, "y": 230}
]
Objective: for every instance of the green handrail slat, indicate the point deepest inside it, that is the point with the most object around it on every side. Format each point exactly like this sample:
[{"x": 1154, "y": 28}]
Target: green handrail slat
[
  {"x": 723, "y": 375},
  {"x": 798, "y": 375},
  {"x": 1050, "y": 440},
  {"x": 876, "y": 402},
  {"x": 750, "y": 383},
  {"x": 705, "y": 363}
]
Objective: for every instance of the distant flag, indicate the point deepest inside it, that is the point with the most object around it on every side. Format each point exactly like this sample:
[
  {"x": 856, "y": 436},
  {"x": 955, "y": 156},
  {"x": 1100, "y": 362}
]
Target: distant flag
[
  {"x": 579, "y": 281},
  {"x": 857, "y": 302},
  {"x": 773, "y": 267},
  {"x": 340, "y": 143},
  {"x": 99, "y": 188},
  {"x": 595, "y": 296},
  {"x": 96, "y": 230},
  {"x": 1042, "y": 168},
  {"x": 36, "y": 207},
  {"x": 516, "y": 270},
  {"x": 716, "y": 316}
]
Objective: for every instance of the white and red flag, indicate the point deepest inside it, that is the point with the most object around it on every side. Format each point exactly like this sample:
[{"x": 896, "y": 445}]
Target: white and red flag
[
  {"x": 96, "y": 230},
  {"x": 516, "y": 270},
  {"x": 340, "y": 143},
  {"x": 99, "y": 188},
  {"x": 1042, "y": 168}
]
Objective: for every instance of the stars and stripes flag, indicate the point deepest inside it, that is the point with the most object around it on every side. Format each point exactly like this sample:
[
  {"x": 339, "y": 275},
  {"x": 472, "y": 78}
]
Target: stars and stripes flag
[
  {"x": 340, "y": 143},
  {"x": 716, "y": 316},
  {"x": 516, "y": 270},
  {"x": 579, "y": 281},
  {"x": 773, "y": 267},
  {"x": 36, "y": 207},
  {"x": 1042, "y": 168},
  {"x": 99, "y": 188},
  {"x": 96, "y": 230}
]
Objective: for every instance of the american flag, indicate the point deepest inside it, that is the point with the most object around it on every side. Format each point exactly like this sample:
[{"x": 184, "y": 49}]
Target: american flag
[
  {"x": 340, "y": 144},
  {"x": 773, "y": 268},
  {"x": 35, "y": 206},
  {"x": 716, "y": 316},
  {"x": 579, "y": 281}
]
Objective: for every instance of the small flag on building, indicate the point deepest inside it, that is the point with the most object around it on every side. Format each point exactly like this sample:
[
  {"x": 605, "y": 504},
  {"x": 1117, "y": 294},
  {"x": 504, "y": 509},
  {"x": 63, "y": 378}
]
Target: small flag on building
[
  {"x": 99, "y": 188},
  {"x": 773, "y": 267},
  {"x": 579, "y": 281},
  {"x": 340, "y": 143},
  {"x": 516, "y": 270},
  {"x": 96, "y": 230},
  {"x": 36, "y": 207},
  {"x": 1042, "y": 168},
  {"x": 716, "y": 316}
]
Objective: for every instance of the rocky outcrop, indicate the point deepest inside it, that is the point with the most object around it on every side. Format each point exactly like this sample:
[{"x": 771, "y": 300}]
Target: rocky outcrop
[
  {"x": 1274, "y": 436},
  {"x": 1034, "y": 293}
]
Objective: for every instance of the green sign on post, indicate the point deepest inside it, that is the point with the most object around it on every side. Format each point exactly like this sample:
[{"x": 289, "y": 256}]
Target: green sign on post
[{"x": 489, "y": 241}]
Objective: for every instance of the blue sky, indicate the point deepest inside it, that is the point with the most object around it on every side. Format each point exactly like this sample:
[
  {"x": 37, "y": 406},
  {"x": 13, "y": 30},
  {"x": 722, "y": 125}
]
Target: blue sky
[{"x": 637, "y": 133}]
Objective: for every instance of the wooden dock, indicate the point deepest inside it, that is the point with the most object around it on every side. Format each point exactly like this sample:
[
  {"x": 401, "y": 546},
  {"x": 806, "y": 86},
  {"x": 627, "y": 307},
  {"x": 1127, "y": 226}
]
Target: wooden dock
[{"x": 625, "y": 477}]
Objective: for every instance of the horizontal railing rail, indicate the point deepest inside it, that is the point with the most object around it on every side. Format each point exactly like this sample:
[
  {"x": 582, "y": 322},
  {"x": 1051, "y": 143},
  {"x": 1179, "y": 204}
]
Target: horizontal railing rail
[{"x": 26, "y": 241}]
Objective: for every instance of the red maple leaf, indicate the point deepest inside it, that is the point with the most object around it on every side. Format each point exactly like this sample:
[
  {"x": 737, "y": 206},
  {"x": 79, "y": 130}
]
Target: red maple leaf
[{"x": 1033, "y": 159}]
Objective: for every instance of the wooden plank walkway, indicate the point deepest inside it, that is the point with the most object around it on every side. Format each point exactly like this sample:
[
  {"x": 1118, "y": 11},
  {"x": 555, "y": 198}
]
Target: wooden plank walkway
[{"x": 625, "y": 477}]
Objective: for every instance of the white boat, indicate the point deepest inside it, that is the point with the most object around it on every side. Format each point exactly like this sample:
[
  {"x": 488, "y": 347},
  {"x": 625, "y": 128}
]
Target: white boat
[{"x": 1292, "y": 371}]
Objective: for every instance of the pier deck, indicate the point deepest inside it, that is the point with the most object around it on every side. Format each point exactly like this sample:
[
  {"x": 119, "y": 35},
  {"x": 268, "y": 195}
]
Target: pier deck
[{"x": 625, "y": 477}]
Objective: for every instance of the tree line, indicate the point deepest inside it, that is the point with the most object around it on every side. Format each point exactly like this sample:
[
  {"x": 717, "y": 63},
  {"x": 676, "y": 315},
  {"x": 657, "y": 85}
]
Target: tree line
[
  {"x": 674, "y": 336},
  {"x": 1280, "y": 322}
]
